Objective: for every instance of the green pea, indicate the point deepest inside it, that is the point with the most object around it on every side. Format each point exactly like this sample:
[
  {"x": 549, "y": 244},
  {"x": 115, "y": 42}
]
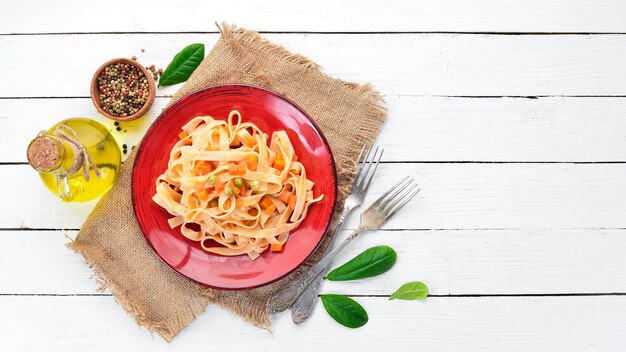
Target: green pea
[
  {"x": 255, "y": 185},
  {"x": 238, "y": 181},
  {"x": 229, "y": 191},
  {"x": 212, "y": 179}
]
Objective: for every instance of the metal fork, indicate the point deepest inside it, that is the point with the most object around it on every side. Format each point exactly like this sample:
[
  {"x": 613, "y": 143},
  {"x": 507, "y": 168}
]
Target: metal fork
[
  {"x": 302, "y": 308},
  {"x": 371, "y": 219}
]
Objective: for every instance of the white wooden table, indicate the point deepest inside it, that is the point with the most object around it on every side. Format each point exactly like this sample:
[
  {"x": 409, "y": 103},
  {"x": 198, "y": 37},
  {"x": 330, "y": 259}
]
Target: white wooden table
[{"x": 511, "y": 114}]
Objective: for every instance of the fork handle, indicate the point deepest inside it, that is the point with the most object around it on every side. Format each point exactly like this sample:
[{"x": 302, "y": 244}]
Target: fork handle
[
  {"x": 284, "y": 298},
  {"x": 302, "y": 308}
]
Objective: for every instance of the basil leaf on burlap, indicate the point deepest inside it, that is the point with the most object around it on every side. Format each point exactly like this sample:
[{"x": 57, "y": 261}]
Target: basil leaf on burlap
[
  {"x": 183, "y": 65},
  {"x": 411, "y": 291},
  {"x": 345, "y": 310},
  {"x": 372, "y": 262}
]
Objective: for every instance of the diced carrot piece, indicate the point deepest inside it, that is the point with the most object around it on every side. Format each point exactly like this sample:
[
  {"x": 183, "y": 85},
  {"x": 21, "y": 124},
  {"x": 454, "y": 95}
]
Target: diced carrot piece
[
  {"x": 219, "y": 185},
  {"x": 215, "y": 164},
  {"x": 251, "y": 162},
  {"x": 203, "y": 194},
  {"x": 237, "y": 170},
  {"x": 241, "y": 168},
  {"x": 284, "y": 196},
  {"x": 206, "y": 168},
  {"x": 279, "y": 162},
  {"x": 295, "y": 157},
  {"x": 239, "y": 202},
  {"x": 292, "y": 201},
  {"x": 187, "y": 141},
  {"x": 276, "y": 247},
  {"x": 243, "y": 188},
  {"x": 227, "y": 203},
  {"x": 202, "y": 167},
  {"x": 265, "y": 202},
  {"x": 182, "y": 135},
  {"x": 270, "y": 209}
]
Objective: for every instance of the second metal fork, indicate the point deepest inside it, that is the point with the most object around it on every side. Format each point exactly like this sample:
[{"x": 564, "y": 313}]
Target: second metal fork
[
  {"x": 371, "y": 219},
  {"x": 367, "y": 163}
]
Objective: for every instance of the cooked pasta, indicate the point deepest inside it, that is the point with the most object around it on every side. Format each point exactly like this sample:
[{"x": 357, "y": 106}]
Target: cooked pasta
[{"x": 231, "y": 191}]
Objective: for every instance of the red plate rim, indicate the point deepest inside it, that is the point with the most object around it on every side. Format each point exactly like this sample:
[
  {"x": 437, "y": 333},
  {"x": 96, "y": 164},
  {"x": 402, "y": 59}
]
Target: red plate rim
[{"x": 157, "y": 122}]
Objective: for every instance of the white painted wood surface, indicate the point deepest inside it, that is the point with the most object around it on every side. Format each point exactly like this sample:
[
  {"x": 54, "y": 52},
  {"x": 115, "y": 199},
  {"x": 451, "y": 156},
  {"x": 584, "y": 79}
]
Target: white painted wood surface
[
  {"x": 399, "y": 64},
  {"x": 33, "y": 16},
  {"x": 509, "y": 113},
  {"x": 478, "y": 324}
]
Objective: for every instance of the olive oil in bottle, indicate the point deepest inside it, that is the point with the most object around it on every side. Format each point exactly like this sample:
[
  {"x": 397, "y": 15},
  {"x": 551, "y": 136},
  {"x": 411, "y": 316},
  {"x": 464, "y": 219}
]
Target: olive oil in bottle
[{"x": 78, "y": 159}]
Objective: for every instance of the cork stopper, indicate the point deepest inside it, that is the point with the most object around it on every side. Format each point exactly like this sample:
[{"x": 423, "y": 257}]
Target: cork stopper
[{"x": 43, "y": 153}]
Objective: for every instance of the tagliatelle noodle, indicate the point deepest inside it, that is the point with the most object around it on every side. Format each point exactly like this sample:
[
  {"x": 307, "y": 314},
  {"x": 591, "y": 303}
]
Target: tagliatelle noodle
[{"x": 200, "y": 186}]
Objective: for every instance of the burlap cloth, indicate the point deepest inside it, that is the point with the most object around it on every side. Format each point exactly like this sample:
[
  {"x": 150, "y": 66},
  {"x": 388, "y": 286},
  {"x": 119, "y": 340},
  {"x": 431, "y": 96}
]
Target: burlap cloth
[{"x": 110, "y": 240}]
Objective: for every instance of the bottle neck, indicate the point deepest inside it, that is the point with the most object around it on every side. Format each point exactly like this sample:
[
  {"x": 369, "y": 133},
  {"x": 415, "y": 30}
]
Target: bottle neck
[{"x": 51, "y": 155}]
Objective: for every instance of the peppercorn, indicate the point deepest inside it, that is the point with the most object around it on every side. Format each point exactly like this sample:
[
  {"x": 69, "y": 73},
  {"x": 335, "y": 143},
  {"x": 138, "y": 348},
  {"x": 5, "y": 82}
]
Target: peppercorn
[
  {"x": 118, "y": 129},
  {"x": 118, "y": 89},
  {"x": 134, "y": 57}
]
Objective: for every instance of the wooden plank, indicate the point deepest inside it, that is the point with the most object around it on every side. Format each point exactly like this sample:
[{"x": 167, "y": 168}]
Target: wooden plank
[
  {"x": 466, "y": 262},
  {"x": 406, "y": 64},
  {"x": 418, "y": 128},
  {"x": 454, "y": 196},
  {"x": 436, "y": 324},
  {"x": 326, "y": 16}
]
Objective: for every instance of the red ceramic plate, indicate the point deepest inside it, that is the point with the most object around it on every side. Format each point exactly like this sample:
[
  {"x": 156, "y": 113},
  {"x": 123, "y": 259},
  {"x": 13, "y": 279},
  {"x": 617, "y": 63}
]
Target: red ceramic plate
[{"x": 270, "y": 112}]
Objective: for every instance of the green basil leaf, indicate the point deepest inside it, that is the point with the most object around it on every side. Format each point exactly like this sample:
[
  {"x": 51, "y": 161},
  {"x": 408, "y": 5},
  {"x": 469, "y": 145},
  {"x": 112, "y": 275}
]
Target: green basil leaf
[
  {"x": 183, "y": 65},
  {"x": 345, "y": 310},
  {"x": 411, "y": 291},
  {"x": 373, "y": 261}
]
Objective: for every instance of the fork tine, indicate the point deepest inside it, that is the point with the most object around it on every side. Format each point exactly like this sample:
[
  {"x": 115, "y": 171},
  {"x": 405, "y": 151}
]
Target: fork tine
[
  {"x": 360, "y": 162},
  {"x": 395, "y": 194},
  {"x": 382, "y": 198},
  {"x": 371, "y": 175},
  {"x": 358, "y": 158},
  {"x": 366, "y": 168},
  {"x": 394, "y": 201},
  {"x": 411, "y": 195}
]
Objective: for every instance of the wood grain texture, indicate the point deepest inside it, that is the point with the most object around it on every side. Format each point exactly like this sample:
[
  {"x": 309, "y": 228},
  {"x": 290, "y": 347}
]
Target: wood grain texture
[
  {"x": 436, "y": 324},
  {"x": 418, "y": 128},
  {"x": 454, "y": 196},
  {"x": 450, "y": 262},
  {"x": 321, "y": 16},
  {"x": 403, "y": 64}
]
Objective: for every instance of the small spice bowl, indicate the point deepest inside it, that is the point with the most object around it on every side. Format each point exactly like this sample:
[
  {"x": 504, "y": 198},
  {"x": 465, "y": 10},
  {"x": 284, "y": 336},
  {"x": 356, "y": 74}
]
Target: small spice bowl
[{"x": 95, "y": 95}]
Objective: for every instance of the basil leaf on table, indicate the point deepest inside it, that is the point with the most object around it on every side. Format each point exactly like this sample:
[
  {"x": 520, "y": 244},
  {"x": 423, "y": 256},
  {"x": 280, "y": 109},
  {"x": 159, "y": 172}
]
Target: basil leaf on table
[
  {"x": 183, "y": 65},
  {"x": 411, "y": 291},
  {"x": 373, "y": 261},
  {"x": 345, "y": 310}
]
